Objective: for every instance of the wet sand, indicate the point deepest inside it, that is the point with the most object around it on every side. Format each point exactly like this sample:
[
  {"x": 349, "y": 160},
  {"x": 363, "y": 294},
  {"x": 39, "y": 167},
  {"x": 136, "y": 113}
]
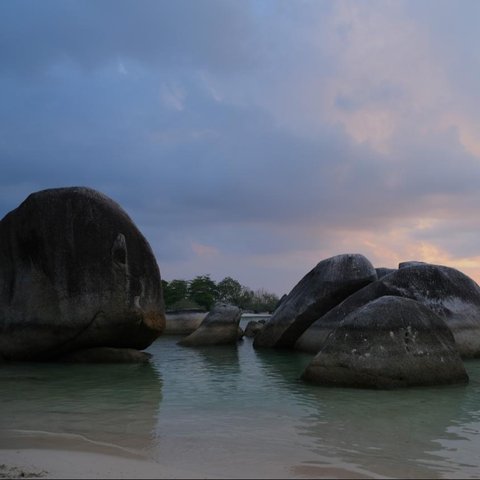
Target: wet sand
[
  {"x": 44, "y": 455},
  {"x": 49, "y": 463},
  {"x": 41, "y": 463}
]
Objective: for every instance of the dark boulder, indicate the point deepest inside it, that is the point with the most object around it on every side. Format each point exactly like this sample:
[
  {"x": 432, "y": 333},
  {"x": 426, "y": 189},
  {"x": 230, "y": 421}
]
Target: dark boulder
[
  {"x": 411, "y": 263},
  {"x": 382, "y": 271},
  {"x": 75, "y": 273},
  {"x": 219, "y": 327},
  {"x": 451, "y": 294},
  {"x": 326, "y": 285},
  {"x": 311, "y": 341},
  {"x": 388, "y": 343},
  {"x": 253, "y": 327}
]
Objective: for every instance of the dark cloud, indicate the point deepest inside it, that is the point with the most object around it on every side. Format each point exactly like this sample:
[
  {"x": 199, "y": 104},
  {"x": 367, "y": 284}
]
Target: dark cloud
[
  {"x": 210, "y": 122},
  {"x": 208, "y": 34}
]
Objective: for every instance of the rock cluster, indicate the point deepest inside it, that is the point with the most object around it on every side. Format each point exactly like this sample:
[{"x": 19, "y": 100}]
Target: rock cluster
[
  {"x": 75, "y": 273},
  {"x": 453, "y": 296},
  {"x": 326, "y": 285},
  {"x": 401, "y": 327},
  {"x": 79, "y": 283}
]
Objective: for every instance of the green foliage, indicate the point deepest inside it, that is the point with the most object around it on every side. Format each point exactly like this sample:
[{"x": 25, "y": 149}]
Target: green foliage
[
  {"x": 186, "y": 304},
  {"x": 263, "y": 301},
  {"x": 204, "y": 292},
  {"x": 229, "y": 290},
  {"x": 174, "y": 291}
]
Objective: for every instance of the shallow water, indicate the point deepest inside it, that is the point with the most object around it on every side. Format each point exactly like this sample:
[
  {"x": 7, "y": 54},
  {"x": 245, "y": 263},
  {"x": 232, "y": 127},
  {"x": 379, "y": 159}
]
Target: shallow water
[{"x": 238, "y": 412}]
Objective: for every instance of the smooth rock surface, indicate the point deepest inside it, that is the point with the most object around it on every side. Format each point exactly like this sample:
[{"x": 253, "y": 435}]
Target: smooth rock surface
[
  {"x": 382, "y": 271},
  {"x": 326, "y": 285},
  {"x": 388, "y": 343},
  {"x": 411, "y": 263},
  {"x": 219, "y": 327},
  {"x": 183, "y": 322},
  {"x": 451, "y": 294},
  {"x": 75, "y": 273}
]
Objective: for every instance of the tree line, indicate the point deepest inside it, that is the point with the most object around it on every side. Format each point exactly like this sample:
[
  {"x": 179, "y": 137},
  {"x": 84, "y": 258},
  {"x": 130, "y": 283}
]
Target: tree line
[{"x": 203, "y": 292}]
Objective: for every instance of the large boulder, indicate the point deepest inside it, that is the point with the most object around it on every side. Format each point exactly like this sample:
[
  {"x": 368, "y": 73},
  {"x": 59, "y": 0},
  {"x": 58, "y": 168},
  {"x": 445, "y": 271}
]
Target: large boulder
[
  {"x": 388, "y": 343},
  {"x": 382, "y": 271},
  {"x": 75, "y": 273},
  {"x": 311, "y": 341},
  {"x": 326, "y": 285},
  {"x": 444, "y": 290},
  {"x": 183, "y": 322},
  {"x": 219, "y": 327}
]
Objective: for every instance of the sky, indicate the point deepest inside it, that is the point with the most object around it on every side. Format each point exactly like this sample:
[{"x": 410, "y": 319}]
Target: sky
[{"x": 253, "y": 139}]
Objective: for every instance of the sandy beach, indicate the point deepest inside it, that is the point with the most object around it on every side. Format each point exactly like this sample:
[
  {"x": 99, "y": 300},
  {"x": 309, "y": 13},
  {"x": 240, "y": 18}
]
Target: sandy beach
[
  {"x": 49, "y": 463},
  {"x": 41, "y": 463},
  {"x": 46, "y": 455},
  {"x": 68, "y": 456}
]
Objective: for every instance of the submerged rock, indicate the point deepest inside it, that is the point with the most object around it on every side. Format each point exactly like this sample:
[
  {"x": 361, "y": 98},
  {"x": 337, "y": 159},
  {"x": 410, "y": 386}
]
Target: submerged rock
[
  {"x": 75, "y": 273},
  {"x": 219, "y": 327},
  {"x": 106, "y": 355},
  {"x": 444, "y": 290},
  {"x": 388, "y": 343},
  {"x": 326, "y": 285}
]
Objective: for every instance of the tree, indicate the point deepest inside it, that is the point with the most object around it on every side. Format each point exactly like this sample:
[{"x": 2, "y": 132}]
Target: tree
[
  {"x": 174, "y": 291},
  {"x": 263, "y": 301},
  {"x": 229, "y": 290},
  {"x": 203, "y": 290}
]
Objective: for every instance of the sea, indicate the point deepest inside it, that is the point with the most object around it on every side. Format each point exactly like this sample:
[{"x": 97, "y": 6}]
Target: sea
[{"x": 237, "y": 412}]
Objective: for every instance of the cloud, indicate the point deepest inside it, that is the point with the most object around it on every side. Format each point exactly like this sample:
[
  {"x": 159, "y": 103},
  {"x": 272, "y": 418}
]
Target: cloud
[
  {"x": 38, "y": 35},
  {"x": 173, "y": 96},
  {"x": 252, "y": 139}
]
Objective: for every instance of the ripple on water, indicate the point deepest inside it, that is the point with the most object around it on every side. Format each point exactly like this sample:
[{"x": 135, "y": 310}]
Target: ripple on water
[{"x": 235, "y": 411}]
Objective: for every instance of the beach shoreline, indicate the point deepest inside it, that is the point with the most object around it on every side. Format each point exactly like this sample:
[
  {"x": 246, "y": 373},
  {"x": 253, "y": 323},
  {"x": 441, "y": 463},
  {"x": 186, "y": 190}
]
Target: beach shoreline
[
  {"x": 33, "y": 454},
  {"x": 68, "y": 464},
  {"x": 51, "y": 463}
]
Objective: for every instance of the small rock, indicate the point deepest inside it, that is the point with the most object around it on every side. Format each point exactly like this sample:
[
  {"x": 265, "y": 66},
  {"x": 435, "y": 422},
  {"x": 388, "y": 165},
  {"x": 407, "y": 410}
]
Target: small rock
[
  {"x": 253, "y": 327},
  {"x": 219, "y": 327}
]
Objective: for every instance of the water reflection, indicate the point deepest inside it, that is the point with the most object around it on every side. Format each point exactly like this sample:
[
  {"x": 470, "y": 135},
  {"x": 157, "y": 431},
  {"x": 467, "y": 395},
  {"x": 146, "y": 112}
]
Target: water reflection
[
  {"x": 111, "y": 403},
  {"x": 236, "y": 411},
  {"x": 220, "y": 359},
  {"x": 418, "y": 432},
  {"x": 285, "y": 366},
  {"x": 389, "y": 433}
]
